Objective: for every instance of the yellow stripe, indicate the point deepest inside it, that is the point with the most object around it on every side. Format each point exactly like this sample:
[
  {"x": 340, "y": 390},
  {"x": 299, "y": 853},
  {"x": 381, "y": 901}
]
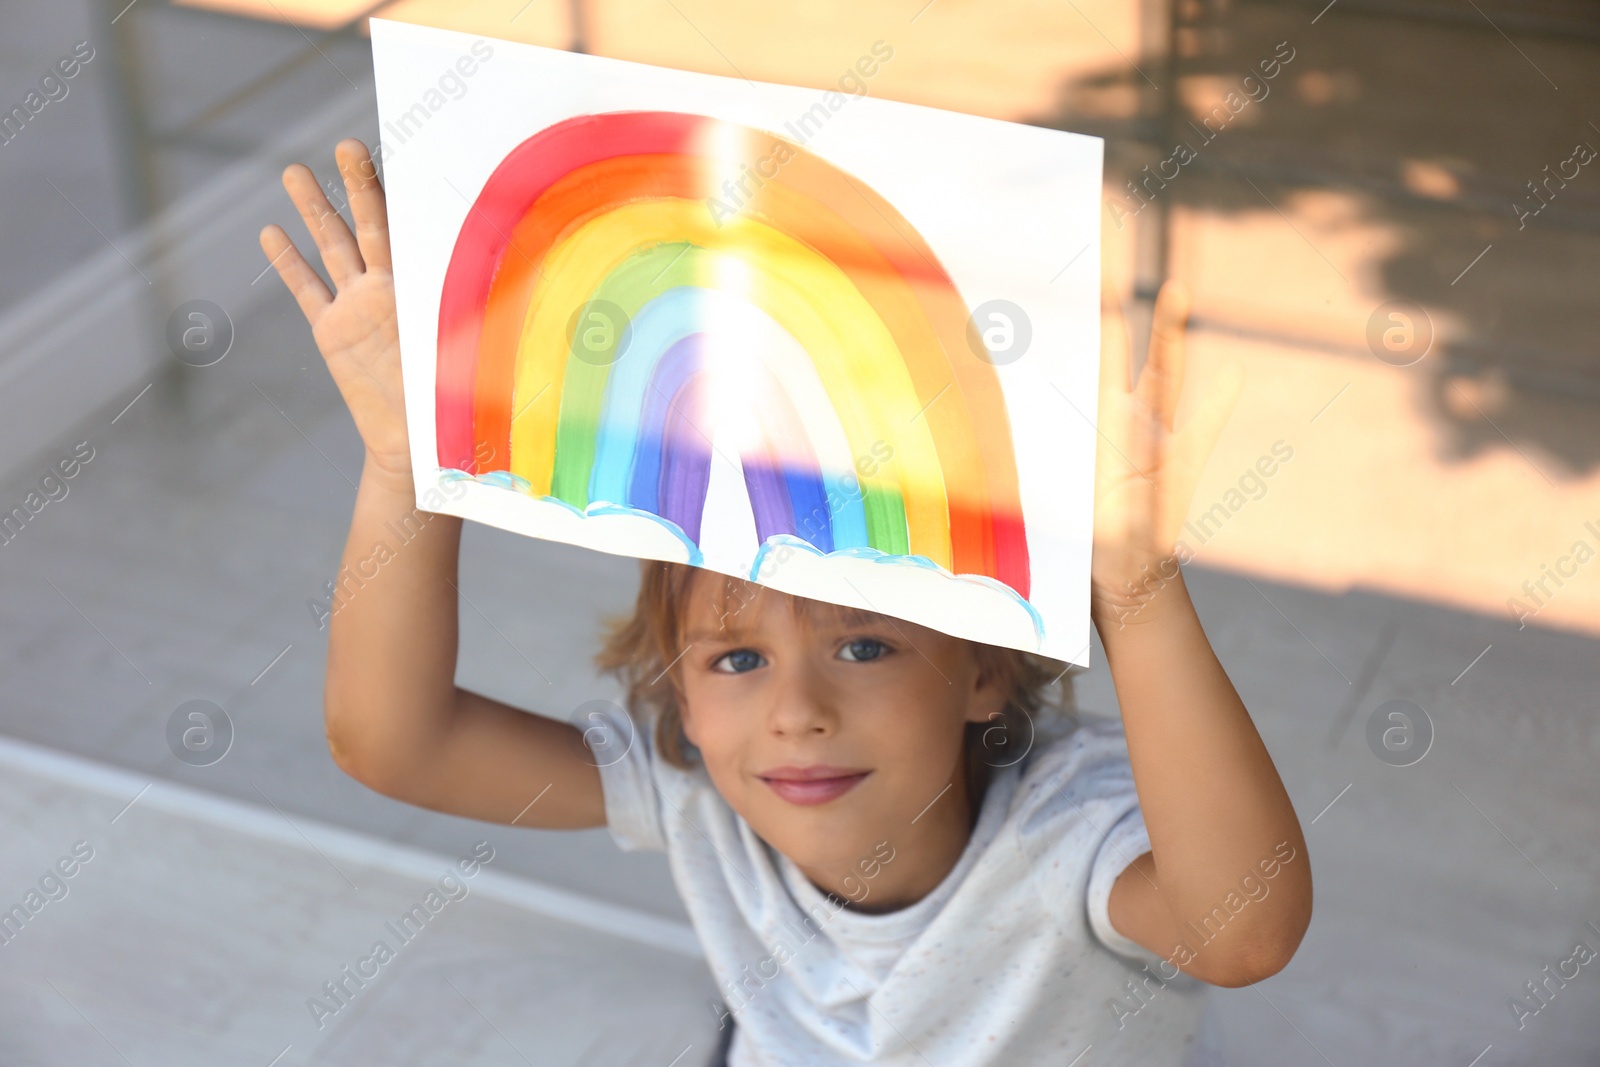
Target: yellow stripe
[{"x": 855, "y": 355}]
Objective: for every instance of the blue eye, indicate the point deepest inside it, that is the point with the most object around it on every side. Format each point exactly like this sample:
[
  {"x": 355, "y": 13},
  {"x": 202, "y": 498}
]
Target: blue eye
[
  {"x": 873, "y": 649},
  {"x": 749, "y": 659}
]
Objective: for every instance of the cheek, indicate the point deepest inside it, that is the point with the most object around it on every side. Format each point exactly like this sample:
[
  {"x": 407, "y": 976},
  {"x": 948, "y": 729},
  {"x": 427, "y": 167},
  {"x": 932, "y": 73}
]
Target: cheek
[
  {"x": 917, "y": 743},
  {"x": 710, "y": 723},
  {"x": 699, "y": 734},
  {"x": 931, "y": 755},
  {"x": 930, "y": 719},
  {"x": 717, "y": 730}
]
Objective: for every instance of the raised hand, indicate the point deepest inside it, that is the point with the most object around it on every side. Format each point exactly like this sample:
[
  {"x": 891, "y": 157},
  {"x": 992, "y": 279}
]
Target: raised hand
[
  {"x": 1145, "y": 466},
  {"x": 355, "y": 331}
]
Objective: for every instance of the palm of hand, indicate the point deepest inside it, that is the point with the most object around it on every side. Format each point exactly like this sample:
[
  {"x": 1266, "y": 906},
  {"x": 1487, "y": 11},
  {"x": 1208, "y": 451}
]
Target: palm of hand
[
  {"x": 358, "y": 337},
  {"x": 356, "y": 330},
  {"x": 1146, "y": 466}
]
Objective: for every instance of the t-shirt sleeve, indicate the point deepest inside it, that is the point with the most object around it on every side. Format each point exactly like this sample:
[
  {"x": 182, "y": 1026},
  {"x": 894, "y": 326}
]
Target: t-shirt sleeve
[
  {"x": 625, "y": 753},
  {"x": 1080, "y": 827},
  {"x": 1126, "y": 842}
]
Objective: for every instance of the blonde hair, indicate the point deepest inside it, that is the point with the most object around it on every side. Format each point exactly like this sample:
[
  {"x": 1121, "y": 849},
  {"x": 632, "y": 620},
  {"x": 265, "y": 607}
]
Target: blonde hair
[{"x": 642, "y": 651}]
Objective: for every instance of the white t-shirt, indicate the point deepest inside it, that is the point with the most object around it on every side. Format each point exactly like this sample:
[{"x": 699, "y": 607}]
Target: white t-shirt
[{"x": 1006, "y": 961}]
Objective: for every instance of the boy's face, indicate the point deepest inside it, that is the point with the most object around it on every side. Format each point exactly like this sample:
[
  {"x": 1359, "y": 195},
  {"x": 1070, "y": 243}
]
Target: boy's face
[{"x": 882, "y": 701}]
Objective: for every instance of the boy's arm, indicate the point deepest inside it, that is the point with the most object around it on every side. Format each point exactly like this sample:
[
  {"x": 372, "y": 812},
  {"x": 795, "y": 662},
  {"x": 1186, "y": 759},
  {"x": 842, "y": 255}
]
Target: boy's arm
[
  {"x": 395, "y": 719},
  {"x": 1225, "y": 844},
  {"x": 1217, "y": 814}
]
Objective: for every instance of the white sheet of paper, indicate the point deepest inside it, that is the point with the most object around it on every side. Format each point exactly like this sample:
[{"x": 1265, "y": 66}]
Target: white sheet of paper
[{"x": 1009, "y": 213}]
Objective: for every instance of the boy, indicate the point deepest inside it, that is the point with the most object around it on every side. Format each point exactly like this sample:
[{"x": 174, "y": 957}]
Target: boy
[{"x": 841, "y": 789}]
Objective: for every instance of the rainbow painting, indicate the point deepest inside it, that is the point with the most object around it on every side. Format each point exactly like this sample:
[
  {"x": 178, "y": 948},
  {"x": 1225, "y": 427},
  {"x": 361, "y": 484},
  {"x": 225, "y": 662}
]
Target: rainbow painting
[{"x": 675, "y": 333}]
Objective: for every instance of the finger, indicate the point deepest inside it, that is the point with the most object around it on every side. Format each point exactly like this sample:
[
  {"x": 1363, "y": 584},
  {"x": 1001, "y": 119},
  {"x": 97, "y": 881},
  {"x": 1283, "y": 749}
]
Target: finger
[
  {"x": 1114, "y": 374},
  {"x": 304, "y": 283},
  {"x": 1161, "y": 380},
  {"x": 1122, "y": 426},
  {"x": 367, "y": 202},
  {"x": 339, "y": 252}
]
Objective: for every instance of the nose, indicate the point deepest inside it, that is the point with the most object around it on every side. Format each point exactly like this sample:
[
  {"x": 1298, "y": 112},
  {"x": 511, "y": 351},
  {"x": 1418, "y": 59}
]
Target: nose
[{"x": 802, "y": 704}]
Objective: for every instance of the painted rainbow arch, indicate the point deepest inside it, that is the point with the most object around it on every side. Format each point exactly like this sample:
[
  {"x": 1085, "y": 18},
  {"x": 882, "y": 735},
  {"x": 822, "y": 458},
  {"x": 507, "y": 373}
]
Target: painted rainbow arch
[{"x": 635, "y": 295}]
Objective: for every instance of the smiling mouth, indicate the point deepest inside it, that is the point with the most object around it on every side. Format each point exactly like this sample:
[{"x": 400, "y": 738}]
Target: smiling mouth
[{"x": 813, "y": 791}]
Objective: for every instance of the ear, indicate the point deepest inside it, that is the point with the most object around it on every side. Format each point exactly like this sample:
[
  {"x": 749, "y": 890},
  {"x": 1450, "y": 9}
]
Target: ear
[{"x": 987, "y": 698}]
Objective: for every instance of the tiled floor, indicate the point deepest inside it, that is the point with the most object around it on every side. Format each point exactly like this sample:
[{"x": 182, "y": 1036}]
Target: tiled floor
[
  {"x": 212, "y": 509},
  {"x": 179, "y": 567},
  {"x": 180, "y": 564},
  {"x": 199, "y": 931},
  {"x": 1441, "y": 887}
]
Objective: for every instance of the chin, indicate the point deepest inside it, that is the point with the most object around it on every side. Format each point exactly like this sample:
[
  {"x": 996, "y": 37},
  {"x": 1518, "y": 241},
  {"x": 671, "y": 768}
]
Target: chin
[{"x": 816, "y": 838}]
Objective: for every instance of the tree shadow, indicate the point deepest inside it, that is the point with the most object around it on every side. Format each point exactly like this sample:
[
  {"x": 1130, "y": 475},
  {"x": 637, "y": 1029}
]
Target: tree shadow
[{"x": 1451, "y": 137}]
